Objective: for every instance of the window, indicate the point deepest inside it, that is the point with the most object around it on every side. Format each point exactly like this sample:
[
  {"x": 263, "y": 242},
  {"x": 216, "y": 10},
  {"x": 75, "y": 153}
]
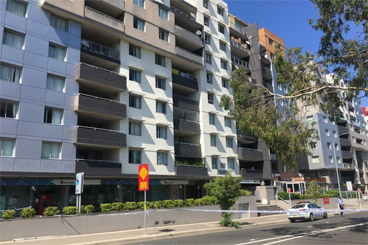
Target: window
[
  {"x": 134, "y": 51},
  {"x": 272, "y": 56},
  {"x": 336, "y": 147},
  {"x": 55, "y": 83},
  {"x": 160, "y": 60},
  {"x": 135, "y": 75},
  {"x": 163, "y": 13},
  {"x": 160, "y": 83},
  {"x": 135, "y": 128},
  {"x": 330, "y": 158},
  {"x": 161, "y": 132},
  {"x": 221, "y": 28},
  {"x": 223, "y": 46},
  {"x": 225, "y": 83},
  {"x": 138, "y": 23},
  {"x": 135, "y": 156},
  {"x": 57, "y": 52},
  {"x": 315, "y": 159},
  {"x": 8, "y": 109},
  {"x": 270, "y": 41},
  {"x": 325, "y": 119},
  {"x": 228, "y": 122},
  {"x": 206, "y": 20},
  {"x": 52, "y": 115},
  {"x": 213, "y": 139},
  {"x": 160, "y": 107},
  {"x": 135, "y": 101},
  {"x": 13, "y": 39},
  {"x": 224, "y": 64},
  {"x": 207, "y": 39},
  {"x": 163, "y": 34},
  {"x": 139, "y": 3},
  {"x": 10, "y": 73},
  {"x": 220, "y": 10},
  {"x": 16, "y": 7},
  {"x": 7, "y": 147},
  {"x": 338, "y": 159},
  {"x": 212, "y": 118},
  {"x": 205, "y": 4},
  {"x": 59, "y": 23},
  {"x": 162, "y": 158},
  {"x": 334, "y": 133},
  {"x": 327, "y": 132},
  {"x": 210, "y": 98},
  {"x": 51, "y": 150},
  {"x": 208, "y": 58},
  {"x": 309, "y": 119},
  {"x": 209, "y": 77},
  {"x": 214, "y": 162},
  {"x": 229, "y": 142},
  {"x": 230, "y": 163},
  {"x": 329, "y": 146}
]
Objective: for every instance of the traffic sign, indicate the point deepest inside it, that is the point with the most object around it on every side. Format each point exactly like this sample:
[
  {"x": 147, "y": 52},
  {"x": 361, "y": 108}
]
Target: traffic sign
[
  {"x": 358, "y": 190},
  {"x": 289, "y": 190},
  {"x": 143, "y": 177},
  {"x": 79, "y": 183}
]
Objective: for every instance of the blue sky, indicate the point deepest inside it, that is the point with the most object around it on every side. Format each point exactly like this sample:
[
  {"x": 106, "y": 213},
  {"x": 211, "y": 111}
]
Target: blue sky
[{"x": 286, "y": 18}]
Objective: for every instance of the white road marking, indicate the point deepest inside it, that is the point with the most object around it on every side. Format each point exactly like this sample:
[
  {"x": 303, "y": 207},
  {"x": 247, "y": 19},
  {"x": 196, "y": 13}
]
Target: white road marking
[
  {"x": 310, "y": 225},
  {"x": 263, "y": 240}
]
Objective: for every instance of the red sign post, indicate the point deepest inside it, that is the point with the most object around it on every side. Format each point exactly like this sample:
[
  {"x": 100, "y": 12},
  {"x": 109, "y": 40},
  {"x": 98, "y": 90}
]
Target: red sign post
[
  {"x": 326, "y": 200},
  {"x": 143, "y": 185}
]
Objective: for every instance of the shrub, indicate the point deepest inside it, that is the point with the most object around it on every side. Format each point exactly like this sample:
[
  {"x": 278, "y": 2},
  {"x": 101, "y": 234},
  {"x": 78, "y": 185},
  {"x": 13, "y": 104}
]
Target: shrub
[
  {"x": 168, "y": 203},
  {"x": 9, "y": 214},
  {"x": 178, "y": 203},
  {"x": 70, "y": 210},
  {"x": 156, "y": 204},
  {"x": 285, "y": 195},
  {"x": 51, "y": 211},
  {"x": 246, "y": 192},
  {"x": 189, "y": 202},
  {"x": 198, "y": 202},
  {"x": 117, "y": 206},
  {"x": 88, "y": 209},
  {"x": 140, "y": 205},
  {"x": 130, "y": 206},
  {"x": 332, "y": 193},
  {"x": 27, "y": 213},
  {"x": 207, "y": 200},
  {"x": 105, "y": 207}
]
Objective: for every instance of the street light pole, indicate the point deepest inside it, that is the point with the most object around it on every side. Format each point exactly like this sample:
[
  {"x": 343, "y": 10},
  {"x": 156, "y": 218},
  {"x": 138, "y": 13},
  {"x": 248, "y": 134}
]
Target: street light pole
[{"x": 337, "y": 170}]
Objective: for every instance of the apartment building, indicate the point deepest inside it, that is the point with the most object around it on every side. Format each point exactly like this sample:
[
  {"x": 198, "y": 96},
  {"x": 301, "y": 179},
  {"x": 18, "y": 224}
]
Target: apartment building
[
  {"x": 102, "y": 86},
  {"x": 342, "y": 144}
]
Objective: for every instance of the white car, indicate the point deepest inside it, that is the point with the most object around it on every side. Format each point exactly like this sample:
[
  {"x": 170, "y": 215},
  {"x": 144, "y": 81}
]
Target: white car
[{"x": 306, "y": 211}]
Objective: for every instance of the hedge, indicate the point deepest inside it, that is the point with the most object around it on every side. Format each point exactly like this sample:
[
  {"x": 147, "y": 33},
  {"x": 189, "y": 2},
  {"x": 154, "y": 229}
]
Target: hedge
[
  {"x": 27, "y": 213},
  {"x": 295, "y": 196},
  {"x": 70, "y": 210},
  {"x": 51, "y": 211},
  {"x": 9, "y": 214}
]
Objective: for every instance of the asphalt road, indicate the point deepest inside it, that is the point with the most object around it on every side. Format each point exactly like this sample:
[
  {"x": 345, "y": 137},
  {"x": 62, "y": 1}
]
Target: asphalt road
[{"x": 350, "y": 229}]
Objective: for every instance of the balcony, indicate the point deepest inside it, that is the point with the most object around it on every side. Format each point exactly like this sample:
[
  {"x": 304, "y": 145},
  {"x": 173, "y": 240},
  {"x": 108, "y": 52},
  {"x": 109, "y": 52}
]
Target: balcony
[
  {"x": 190, "y": 171},
  {"x": 239, "y": 62},
  {"x": 182, "y": 34},
  {"x": 187, "y": 150},
  {"x": 185, "y": 103},
  {"x": 97, "y": 167},
  {"x": 184, "y": 80},
  {"x": 100, "y": 137},
  {"x": 251, "y": 155},
  {"x": 104, "y": 19},
  {"x": 268, "y": 86},
  {"x": 265, "y": 59},
  {"x": 347, "y": 154},
  {"x": 110, "y": 7},
  {"x": 345, "y": 142},
  {"x": 185, "y": 126},
  {"x": 100, "y": 77},
  {"x": 348, "y": 165},
  {"x": 100, "y": 51},
  {"x": 184, "y": 19},
  {"x": 266, "y": 72},
  {"x": 100, "y": 106},
  {"x": 239, "y": 49},
  {"x": 343, "y": 130},
  {"x": 252, "y": 173},
  {"x": 189, "y": 55}
]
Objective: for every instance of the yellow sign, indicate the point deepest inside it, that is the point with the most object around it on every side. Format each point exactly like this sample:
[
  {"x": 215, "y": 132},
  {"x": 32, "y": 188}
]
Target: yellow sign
[{"x": 143, "y": 173}]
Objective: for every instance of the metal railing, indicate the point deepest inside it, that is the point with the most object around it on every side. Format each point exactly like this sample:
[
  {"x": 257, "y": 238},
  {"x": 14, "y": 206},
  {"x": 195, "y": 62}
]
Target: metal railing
[
  {"x": 183, "y": 14},
  {"x": 99, "y": 68},
  {"x": 104, "y": 15},
  {"x": 184, "y": 74},
  {"x": 100, "y": 129},
  {"x": 249, "y": 149},
  {"x": 100, "y": 98},
  {"x": 348, "y": 165},
  {"x": 238, "y": 45},
  {"x": 188, "y": 52},
  {"x": 100, "y": 49},
  {"x": 237, "y": 61}
]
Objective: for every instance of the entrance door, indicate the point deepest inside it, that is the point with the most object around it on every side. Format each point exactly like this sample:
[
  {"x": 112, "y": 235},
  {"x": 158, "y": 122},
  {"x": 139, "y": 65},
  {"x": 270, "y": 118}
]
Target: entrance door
[{"x": 46, "y": 200}]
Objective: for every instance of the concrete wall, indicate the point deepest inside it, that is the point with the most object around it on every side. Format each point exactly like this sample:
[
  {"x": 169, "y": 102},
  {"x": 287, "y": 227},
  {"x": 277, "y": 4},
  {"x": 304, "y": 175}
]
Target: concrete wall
[{"x": 285, "y": 205}]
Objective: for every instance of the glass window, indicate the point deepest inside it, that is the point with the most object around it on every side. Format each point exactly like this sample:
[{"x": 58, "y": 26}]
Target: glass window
[
  {"x": 337, "y": 147},
  {"x": 161, "y": 107},
  {"x": 135, "y": 128},
  {"x": 59, "y": 23},
  {"x": 52, "y": 115},
  {"x": 206, "y": 20},
  {"x": 13, "y": 39},
  {"x": 135, "y": 75},
  {"x": 55, "y": 83},
  {"x": 334, "y": 133},
  {"x": 270, "y": 41},
  {"x": 10, "y": 73},
  {"x": 210, "y": 98},
  {"x": 16, "y": 7},
  {"x": 220, "y": 11},
  {"x": 225, "y": 83},
  {"x": 214, "y": 162},
  {"x": 331, "y": 159},
  {"x": 221, "y": 28},
  {"x": 163, "y": 34},
  {"x": 139, "y": 3},
  {"x": 160, "y": 60},
  {"x": 205, "y": 4},
  {"x": 138, "y": 23},
  {"x": 329, "y": 146},
  {"x": 134, "y": 51},
  {"x": 51, "y": 150},
  {"x": 229, "y": 142},
  {"x": 315, "y": 159},
  {"x": 161, "y": 132},
  {"x": 230, "y": 163},
  {"x": 135, "y": 156},
  {"x": 163, "y": 13},
  {"x": 207, "y": 39},
  {"x": 160, "y": 83},
  {"x": 208, "y": 58},
  {"x": 209, "y": 77},
  {"x": 228, "y": 122},
  {"x": 8, "y": 109},
  {"x": 162, "y": 158},
  {"x": 7, "y": 147},
  {"x": 224, "y": 64},
  {"x": 212, "y": 118},
  {"x": 309, "y": 119},
  {"x": 327, "y": 132},
  {"x": 223, "y": 46},
  {"x": 57, "y": 52},
  {"x": 213, "y": 139},
  {"x": 135, "y": 101}
]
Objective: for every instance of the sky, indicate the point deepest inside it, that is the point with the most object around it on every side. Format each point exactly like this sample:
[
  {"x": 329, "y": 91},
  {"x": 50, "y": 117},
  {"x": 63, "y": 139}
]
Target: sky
[{"x": 285, "y": 18}]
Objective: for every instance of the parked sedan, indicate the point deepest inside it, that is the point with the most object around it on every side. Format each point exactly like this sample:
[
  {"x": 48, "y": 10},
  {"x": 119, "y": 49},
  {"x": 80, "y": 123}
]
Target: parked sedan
[{"x": 306, "y": 211}]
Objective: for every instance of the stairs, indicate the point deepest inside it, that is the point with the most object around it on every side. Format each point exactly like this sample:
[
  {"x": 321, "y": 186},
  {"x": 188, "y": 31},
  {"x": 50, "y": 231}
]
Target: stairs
[{"x": 267, "y": 208}]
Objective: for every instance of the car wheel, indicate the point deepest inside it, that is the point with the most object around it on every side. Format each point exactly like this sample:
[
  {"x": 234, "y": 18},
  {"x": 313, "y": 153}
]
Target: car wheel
[
  {"x": 325, "y": 215},
  {"x": 292, "y": 220},
  {"x": 311, "y": 217}
]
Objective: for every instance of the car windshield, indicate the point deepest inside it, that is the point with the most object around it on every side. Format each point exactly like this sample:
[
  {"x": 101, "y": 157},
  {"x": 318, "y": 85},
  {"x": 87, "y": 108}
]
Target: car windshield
[{"x": 298, "y": 206}]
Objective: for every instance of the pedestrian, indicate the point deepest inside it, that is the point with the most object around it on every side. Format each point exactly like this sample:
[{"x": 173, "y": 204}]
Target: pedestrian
[{"x": 341, "y": 205}]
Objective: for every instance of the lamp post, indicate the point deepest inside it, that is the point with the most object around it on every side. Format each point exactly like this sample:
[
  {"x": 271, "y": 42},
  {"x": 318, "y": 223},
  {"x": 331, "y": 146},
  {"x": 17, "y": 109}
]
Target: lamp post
[{"x": 334, "y": 153}]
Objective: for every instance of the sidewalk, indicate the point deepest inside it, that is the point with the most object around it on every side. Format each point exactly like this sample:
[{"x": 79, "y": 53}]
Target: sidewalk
[{"x": 137, "y": 235}]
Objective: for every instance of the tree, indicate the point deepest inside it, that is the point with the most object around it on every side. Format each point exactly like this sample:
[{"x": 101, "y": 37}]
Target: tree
[
  {"x": 314, "y": 190},
  {"x": 227, "y": 190}
]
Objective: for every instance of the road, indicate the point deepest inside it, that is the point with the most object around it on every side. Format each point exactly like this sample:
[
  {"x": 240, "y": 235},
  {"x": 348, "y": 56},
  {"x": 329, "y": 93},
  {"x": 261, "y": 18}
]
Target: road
[{"x": 350, "y": 229}]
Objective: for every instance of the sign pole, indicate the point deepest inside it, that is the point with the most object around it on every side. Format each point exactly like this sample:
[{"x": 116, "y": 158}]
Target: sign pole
[
  {"x": 145, "y": 213},
  {"x": 143, "y": 185},
  {"x": 289, "y": 191},
  {"x": 360, "y": 203},
  {"x": 79, "y": 184}
]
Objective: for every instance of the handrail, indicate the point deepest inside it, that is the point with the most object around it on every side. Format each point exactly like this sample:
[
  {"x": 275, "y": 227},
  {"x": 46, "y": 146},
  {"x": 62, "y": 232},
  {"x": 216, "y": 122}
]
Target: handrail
[
  {"x": 187, "y": 31},
  {"x": 99, "y": 68},
  {"x": 183, "y": 14},
  {"x": 184, "y": 74},
  {"x": 100, "y": 129},
  {"x": 95, "y": 160},
  {"x": 281, "y": 199},
  {"x": 238, "y": 45},
  {"x": 112, "y": 53},
  {"x": 184, "y": 143},
  {"x": 238, "y": 61},
  {"x": 249, "y": 149},
  {"x": 184, "y": 50},
  {"x": 100, "y": 98},
  {"x": 105, "y": 15},
  {"x": 186, "y": 98}
]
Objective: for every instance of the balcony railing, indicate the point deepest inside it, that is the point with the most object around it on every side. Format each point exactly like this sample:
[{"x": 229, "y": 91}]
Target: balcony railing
[
  {"x": 187, "y": 150},
  {"x": 238, "y": 45},
  {"x": 348, "y": 165},
  {"x": 183, "y": 74},
  {"x": 237, "y": 61},
  {"x": 97, "y": 167},
  {"x": 100, "y": 136},
  {"x": 100, "y": 49},
  {"x": 104, "y": 15},
  {"x": 175, "y": 10}
]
